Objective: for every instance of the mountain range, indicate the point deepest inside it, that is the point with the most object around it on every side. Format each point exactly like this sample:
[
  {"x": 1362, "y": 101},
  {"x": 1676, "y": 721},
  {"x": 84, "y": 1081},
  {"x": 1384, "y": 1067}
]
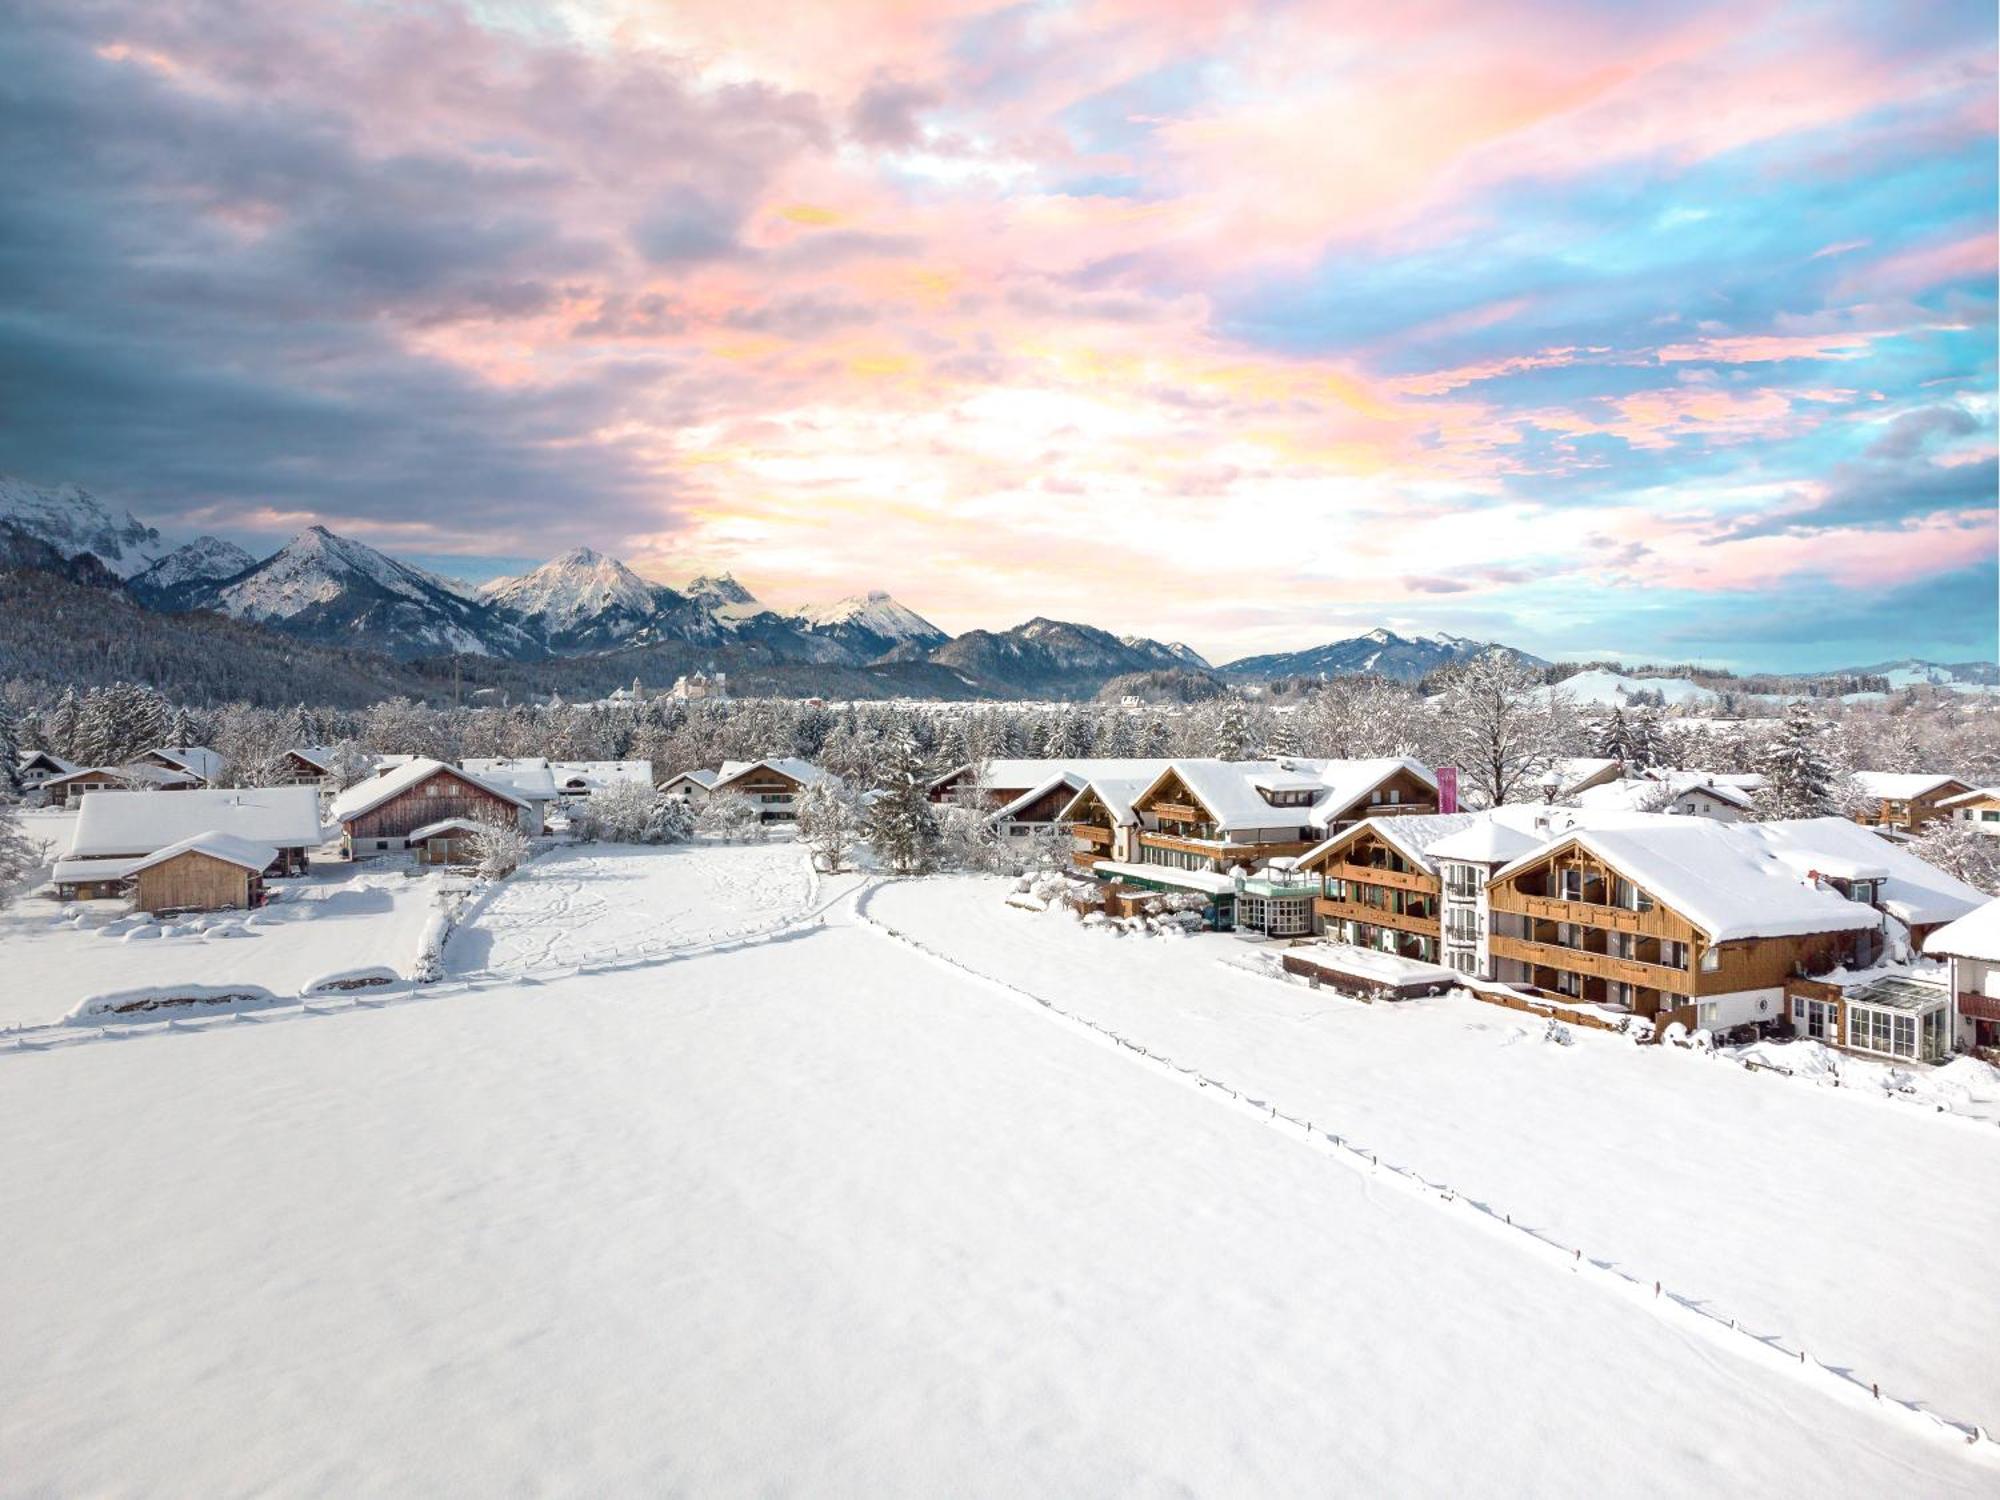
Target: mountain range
[{"x": 1379, "y": 653}]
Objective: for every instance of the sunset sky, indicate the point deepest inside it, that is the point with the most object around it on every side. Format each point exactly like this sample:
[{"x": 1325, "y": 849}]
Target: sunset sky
[{"x": 1657, "y": 331}]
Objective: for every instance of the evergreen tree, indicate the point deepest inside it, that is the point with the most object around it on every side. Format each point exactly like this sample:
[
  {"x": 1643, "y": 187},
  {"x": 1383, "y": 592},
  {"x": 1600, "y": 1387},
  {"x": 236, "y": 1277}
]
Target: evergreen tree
[
  {"x": 1230, "y": 739},
  {"x": 1647, "y": 740},
  {"x": 10, "y": 756},
  {"x": 1614, "y": 738},
  {"x": 64, "y": 725},
  {"x": 902, "y": 823},
  {"x": 1800, "y": 780}
]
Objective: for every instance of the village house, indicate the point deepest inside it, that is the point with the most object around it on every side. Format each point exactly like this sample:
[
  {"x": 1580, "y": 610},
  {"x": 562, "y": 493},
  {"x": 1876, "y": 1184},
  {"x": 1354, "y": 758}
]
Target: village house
[
  {"x": 1978, "y": 809},
  {"x": 576, "y": 780},
  {"x": 378, "y": 816},
  {"x": 1380, "y": 888},
  {"x": 691, "y": 787},
  {"x": 1971, "y": 948},
  {"x": 34, "y": 767},
  {"x": 304, "y": 765},
  {"x": 773, "y": 786},
  {"x": 1693, "y": 794},
  {"x": 72, "y": 785},
  {"x": 529, "y": 777},
  {"x": 1905, "y": 801},
  {"x": 198, "y": 761},
  {"x": 449, "y": 841},
  {"x": 117, "y": 830}
]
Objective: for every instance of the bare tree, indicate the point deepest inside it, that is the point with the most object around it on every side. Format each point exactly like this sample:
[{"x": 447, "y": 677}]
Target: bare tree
[{"x": 1502, "y": 728}]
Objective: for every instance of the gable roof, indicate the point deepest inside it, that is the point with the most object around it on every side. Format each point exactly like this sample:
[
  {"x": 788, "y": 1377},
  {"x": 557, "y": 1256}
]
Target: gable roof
[
  {"x": 1901, "y": 786},
  {"x": 137, "y": 773},
  {"x": 1974, "y": 935},
  {"x": 1016, "y": 773},
  {"x": 1910, "y": 888},
  {"x": 445, "y": 825},
  {"x": 53, "y": 761},
  {"x": 1117, "y": 793},
  {"x": 314, "y": 755},
  {"x": 365, "y": 796},
  {"x": 804, "y": 772},
  {"x": 247, "y": 853},
  {"x": 1977, "y": 794},
  {"x": 1630, "y": 795},
  {"x": 1413, "y": 835},
  {"x": 1231, "y": 790},
  {"x": 286, "y": 817},
  {"x": 701, "y": 776},
  {"x": 600, "y": 774},
  {"x": 529, "y": 777},
  {"x": 1727, "y": 882},
  {"x": 196, "y": 760}
]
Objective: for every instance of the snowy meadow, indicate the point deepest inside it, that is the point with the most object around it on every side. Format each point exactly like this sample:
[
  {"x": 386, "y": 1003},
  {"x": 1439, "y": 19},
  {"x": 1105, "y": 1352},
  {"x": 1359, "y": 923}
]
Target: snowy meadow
[{"x": 702, "y": 1173}]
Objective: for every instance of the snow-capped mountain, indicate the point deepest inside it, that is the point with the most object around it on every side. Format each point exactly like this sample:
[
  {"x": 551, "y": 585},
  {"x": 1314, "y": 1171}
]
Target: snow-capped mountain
[
  {"x": 1378, "y": 652},
  {"x": 870, "y": 625},
  {"x": 336, "y": 591},
  {"x": 1181, "y": 653},
  {"x": 582, "y": 600},
  {"x": 1912, "y": 671},
  {"x": 188, "y": 569},
  {"x": 1051, "y": 658},
  {"x": 72, "y": 520},
  {"x": 720, "y": 592}
]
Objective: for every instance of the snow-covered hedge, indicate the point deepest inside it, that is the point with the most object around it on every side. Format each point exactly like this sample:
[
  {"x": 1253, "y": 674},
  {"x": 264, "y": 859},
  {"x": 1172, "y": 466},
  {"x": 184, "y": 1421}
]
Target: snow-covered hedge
[
  {"x": 369, "y": 976},
  {"x": 157, "y": 997}
]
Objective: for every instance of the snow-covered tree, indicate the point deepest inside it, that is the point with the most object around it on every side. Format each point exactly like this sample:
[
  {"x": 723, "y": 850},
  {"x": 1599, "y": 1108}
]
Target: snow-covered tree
[
  {"x": 1801, "y": 779},
  {"x": 1501, "y": 729},
  {"x": 902, "y": 824},
  {"x": 1960, "y": 850},
  {"x": 10, "y": 756},
  {"x": 830, "y": 821},
  {"x": 621, "y": 814},
  {"x": 1231, "y": 736},
  {"x": 1646, "y": 740},
  {"x": 731, "y": 817},
  {"x": 1614, "y": 737},
  {"x": 497, "y": 849},
  {"x": 21, "y": 857}
]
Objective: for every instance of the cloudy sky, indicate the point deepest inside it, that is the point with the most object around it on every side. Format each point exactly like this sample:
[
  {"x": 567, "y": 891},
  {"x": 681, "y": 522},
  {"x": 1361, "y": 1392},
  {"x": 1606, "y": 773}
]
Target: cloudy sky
[{"x": 1659, "y": 331}]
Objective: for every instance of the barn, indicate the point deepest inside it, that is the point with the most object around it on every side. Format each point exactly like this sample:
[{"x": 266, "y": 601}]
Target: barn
[
  {"x": 379, "y": 815},
  {"x": 209, "y": 872}
]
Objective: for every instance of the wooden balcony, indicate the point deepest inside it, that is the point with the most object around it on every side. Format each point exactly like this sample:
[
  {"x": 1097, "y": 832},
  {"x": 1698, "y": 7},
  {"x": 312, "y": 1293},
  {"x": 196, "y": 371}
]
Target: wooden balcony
[
  {"x": 1221, "y": 849},
  {"x": 1597, "y": 965},
  {"x": 1400, "y": 880},
  {"x": 1659, "y": 922},
  {"x": 1375, "y": 916},
  {"x": 1978, "y": 1007},
  {"x": 1178, "y": 812},
  {"x": 1091, "y": 833}
]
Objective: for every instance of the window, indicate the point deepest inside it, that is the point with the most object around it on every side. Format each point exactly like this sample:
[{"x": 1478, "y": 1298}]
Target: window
[
  {"x": 1990, "y": 817},
  {"x": 1673, "y": 954},
  {"x": 1711, "y": 960}
]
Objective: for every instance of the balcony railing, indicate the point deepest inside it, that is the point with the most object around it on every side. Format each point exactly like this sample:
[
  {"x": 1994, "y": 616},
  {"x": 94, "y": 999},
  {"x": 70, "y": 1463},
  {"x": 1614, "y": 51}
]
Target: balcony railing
[
  {"x": 1657, "y": 922},
  {"x": 1091, "y": 832},
  {"x": 1978, "y": 1007},
  {"x": 1376, "y": 916},
  {"x": 1598, "y": 965},
  {"x": 1402, "y": 880}
]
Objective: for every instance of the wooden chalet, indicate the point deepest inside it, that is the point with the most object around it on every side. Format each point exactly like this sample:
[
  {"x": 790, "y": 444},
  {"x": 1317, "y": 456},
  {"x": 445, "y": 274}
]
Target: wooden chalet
[
  {"x": 1668, "y": 923},
  {"x": 1978, "y": 810},
  {"x": 378, "y": 816},
  {"x": 1905, "y": 801},
  {"x": 115, "y": 830},
  {"x": 198, "y": 761},
  {"x": 773, "y": 785},
  {"x": 1378, "y": 892},
  {"x": 62, "y": 790},
  {"x": 305, "y": 766},
  {"x": 37, "y": 766}
]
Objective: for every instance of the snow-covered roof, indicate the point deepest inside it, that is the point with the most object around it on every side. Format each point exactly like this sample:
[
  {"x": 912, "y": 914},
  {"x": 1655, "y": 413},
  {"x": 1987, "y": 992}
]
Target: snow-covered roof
[
  {"x": 1020, "y": 772},
  {"x": 136, "y": 774},
  {"x": 1977, "y": 794},
  {"x": 364, "y": 796},
  {"x": 1117, "y": 793},
  {"x": 1488, "y": 841},
  {"x": 1230, "y": 789},
  {"x": 71, "y": 871},
  {"x": 445, "y": 825},
  {"x": 1577, "y": 769},
  {"x": 597, "y": 775},
  {"x": 55, "y": 762},
  {"x": 1720, "y": 876},
  {"x": 804, "y": 772},
  {"x": 286, "y": 817},
  {"x": 527, "y": 776},
  {"x": 197, "y": 760},
  {"x": 1901, "y": 786},
  {"x": 1911, "y": 889},
  {"x": 226, "y": 847},
  {"x": 1062, "y": 779},
  {"x": 1414, "y": 835},
  {"x": 1373, "y": 963},
  {"x": 1974, "y": 935},
  {"x": 701, "y": 776},
  {"x": 1633, "y": 795},
  {"x": 1194, "y": 880},
  {"x": 318, "y": 755}
]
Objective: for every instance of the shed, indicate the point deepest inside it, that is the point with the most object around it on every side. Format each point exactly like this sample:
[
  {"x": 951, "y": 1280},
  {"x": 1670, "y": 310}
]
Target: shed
[{"x": 209, "y": 872}]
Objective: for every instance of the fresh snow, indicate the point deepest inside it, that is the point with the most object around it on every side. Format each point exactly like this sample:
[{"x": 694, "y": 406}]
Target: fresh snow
[
  {"x": 875, "y": 613},
  {"x": 575, "y": 590},
  {"x": 1599, "y": 688},
  {"x": 825, "y": 1215},
  {"x": 338, "y": 916},
  {"x": 1769, "y": 1199}
]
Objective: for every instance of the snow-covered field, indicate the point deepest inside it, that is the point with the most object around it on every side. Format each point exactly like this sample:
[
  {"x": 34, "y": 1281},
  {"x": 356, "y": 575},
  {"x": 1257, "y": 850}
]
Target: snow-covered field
[
  {"x": 338, "y": 917},
  {"x": 1855, "y": 1225},
  {"x": 596, "y": 903},
  {"x": 820, "y": 1214}
]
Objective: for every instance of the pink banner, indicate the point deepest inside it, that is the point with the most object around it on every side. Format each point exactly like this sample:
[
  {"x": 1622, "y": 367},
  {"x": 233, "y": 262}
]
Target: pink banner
[{"x": 1447, "y": 789}]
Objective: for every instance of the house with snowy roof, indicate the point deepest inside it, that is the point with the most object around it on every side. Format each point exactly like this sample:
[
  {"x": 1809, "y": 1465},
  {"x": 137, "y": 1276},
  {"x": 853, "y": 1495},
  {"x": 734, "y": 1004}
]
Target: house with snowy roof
[
  {"x": 304, "y": 765},
  {"x": 578, "y": 779},
  {"x": 1971, "y": 949},
  {"x": 116, "y": 831},
  {"x": 198, "y": 761},
  {"x": 378, "y": 816},
  {"x": 204, "y": 872},
  {"x": 71, "y": 786},
  {"x": 33, "y": 767},
  {"x": 1905, "y": 800},
  {"x": 691, "y": 787},
  {"x": 1978, "y": 809},
  {"x": 773, "y": 785},
  {"x": 1691, "y": 794},
  {"x": 529, "y": 777}
]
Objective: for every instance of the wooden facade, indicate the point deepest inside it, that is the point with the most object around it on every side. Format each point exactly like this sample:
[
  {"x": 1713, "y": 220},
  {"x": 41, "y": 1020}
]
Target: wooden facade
[
  {"x": 774, "y": 793},
  {"x": 1912, "y": 813},
  {"x": 445, "y": 793},
  {"x": 1400, "y": 794},
  {"x": 194, "y": 881},
  {"x": 1582, "y": 927}
]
